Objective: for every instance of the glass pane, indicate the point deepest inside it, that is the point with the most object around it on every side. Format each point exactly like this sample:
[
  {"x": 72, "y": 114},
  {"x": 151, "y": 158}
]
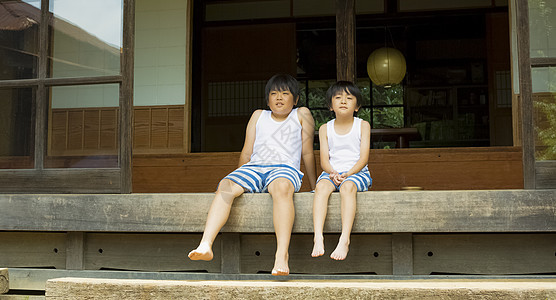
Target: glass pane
[
  {"x": 388, "y": 117},
  {"x": 388, "y": 96},
  {"x": 321, "y": 116},
  {"x": 16, "y": 128},
  {"x": 317, "y": 93},
  {"x": 86, "y": 38},
  {"x": 544, "y": 105},
  {"x": 364, "y": 85},
  {"x": 83, "y": 127},
  {"x": 161, "y": 56},
  {"x": 542, "y": 28},
  {"x": 19, "y": 28}
]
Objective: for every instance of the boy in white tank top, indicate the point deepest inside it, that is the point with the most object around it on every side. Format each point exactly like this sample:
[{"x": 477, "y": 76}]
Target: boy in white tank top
[
  {"x": 344, "y": 153},
  {"x": 275, "y": 141}
]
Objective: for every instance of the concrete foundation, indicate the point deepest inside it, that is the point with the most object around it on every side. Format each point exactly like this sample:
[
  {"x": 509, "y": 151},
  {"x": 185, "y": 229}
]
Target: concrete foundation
[{"x": 120, "y": 289}]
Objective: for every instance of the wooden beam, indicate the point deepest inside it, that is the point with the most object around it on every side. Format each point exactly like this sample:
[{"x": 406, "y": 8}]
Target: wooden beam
[
  {"x": 126, "y": 97},
  {"x": 60, "y": 181},
  {"x": 545, "y": 175},
  {"x": 74, "y": 250},
  {"x": 526, "y": 90},
  {"x": 231, "y": 253},
  {"x": 541, "y": 62},
  {"x": 402, "y": 254},
  {"x": 377, "y": 212},
  {"x": 345, "y": 40}
]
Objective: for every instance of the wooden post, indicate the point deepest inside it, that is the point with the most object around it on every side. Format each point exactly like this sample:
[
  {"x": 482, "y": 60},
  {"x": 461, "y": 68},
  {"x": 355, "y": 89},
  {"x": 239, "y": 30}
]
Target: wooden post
[
  {"x": 231, "y": 252},
  {"x": 402, "y": 254},
  {"x": 345, "y": 40},
  {"x": 74, "y": 250},
  {"x": 126, "y": 96},
  {"x": 526, "y": 90}
]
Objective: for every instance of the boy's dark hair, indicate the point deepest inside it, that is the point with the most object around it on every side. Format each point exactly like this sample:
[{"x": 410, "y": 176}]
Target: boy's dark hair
[
  {"x": 343, "y": 86},
  {"x": 282, "y": 82}
]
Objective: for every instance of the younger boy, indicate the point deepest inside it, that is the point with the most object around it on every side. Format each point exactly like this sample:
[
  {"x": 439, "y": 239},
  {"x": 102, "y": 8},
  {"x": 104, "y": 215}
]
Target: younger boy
[
  {"x": 344, "y": 153},
  {"x": 275, "y": 141}
]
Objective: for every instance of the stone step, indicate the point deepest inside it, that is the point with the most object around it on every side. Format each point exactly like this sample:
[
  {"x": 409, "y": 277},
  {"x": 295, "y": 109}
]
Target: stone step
[
  {"x": 21, "y": 297},
  {"x": 121, "y": 289},
  {"x": 4, "y": 281}
]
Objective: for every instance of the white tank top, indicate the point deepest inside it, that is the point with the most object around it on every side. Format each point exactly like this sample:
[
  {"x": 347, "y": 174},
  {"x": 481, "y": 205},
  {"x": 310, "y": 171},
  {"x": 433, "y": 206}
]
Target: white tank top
[
  {"x": 277, "y": 142},
  {"x": 344, "y": 150}
]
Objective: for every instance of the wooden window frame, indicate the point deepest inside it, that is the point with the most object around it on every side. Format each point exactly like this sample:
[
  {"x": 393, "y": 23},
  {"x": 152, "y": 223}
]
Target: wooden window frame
[
  {"x": 536, "y": 174},
  {"x": 78, "y": 180}
]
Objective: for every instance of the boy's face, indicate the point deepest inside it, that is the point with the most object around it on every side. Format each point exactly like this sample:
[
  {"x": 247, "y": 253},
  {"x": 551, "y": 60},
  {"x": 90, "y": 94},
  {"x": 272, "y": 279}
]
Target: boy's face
[
  {"x": 344, "y": 104},
  {"x": 281, "y": 102}
]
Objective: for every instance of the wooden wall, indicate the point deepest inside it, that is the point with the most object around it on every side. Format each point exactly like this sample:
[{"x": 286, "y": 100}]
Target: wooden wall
[
  {"x": 392, "y": 169},
  {"x": 94, "y": 131}
]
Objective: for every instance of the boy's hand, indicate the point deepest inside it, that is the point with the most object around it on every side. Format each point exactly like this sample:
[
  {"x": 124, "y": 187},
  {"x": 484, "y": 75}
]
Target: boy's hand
[
  {"x": 333, "y": 176},
  {"x": 336, "y": 177}
]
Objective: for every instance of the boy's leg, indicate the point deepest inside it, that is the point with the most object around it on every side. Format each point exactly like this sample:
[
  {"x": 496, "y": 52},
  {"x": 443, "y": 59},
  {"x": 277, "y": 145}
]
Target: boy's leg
[
  {"x": 320, "y": 206},
  {"x": 348, "y": 193},
  {"x": 217, "y": 217},
  {"x": 283, "y": 213}
]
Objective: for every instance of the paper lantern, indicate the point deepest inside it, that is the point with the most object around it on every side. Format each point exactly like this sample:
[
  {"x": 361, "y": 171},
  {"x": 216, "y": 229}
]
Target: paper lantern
[{"x": 386, "y": 66}]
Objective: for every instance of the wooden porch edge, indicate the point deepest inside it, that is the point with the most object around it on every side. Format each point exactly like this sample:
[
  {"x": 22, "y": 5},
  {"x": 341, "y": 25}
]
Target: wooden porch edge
[{"x": 488, "y": 211}]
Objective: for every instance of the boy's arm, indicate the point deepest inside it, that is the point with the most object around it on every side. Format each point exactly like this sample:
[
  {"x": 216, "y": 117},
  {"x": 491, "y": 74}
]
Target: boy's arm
[
  {"x": 307, "y": 138},
  {"x": 250, "y": 134},
  {"x": 324, "y": 158},
  {"x": 365, "y": 149}
]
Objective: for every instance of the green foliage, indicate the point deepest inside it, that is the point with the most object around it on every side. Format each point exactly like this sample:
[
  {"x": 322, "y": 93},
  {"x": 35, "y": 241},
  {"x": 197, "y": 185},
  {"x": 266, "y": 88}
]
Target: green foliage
[
  {"x": 388, "y": 96},
  {"x": 547, "y": 133}
]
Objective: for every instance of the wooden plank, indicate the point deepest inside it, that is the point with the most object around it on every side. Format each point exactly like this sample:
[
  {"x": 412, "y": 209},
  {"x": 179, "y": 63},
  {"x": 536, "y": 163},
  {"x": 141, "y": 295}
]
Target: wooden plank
[
  {"x": 189, "y": 78},
  {"x": 42, "y": 98},
  {"x": 60, "y": 181},
  {"x": 104, "y": 161},
  {"x": 81, "y": 288},
  {"x": 432, "y": 169},
  {"x": 74, "y": 250},
  {"x": 402, "y": 254},
  {"x": 33, "y": 250},
  {"x": 507, "y": 254},
  {"x": 58, "y": 132},
  {"x": 126, "y": 97},
  {"x": 231, "y": 249},
  {"x": 15, "y": 83},
  {"x": 175, "y": 128},
  {"x": 146, "y": 252},
  {"x": 545, "y": 174},
  {"x": 75, "y": 130},
  {"x": 91, "y": 129},
  {"x": 142, "y": 125},
  {"x": 543, "y": 62},
  {"x": 524, "y": 61},
  {"x": 159, "y": 128},
  {"x": 83, "y": 80},
  {"x": 345, "y": 40},
  {"x": 109, "y": 129},
  {"x": 378, "y": 212},
  {"x": 369, "y": 254}
]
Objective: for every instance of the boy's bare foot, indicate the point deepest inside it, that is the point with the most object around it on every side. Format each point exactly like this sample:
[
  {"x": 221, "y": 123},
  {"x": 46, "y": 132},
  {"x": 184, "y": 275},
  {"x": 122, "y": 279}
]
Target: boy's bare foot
[
  {"x": 203, "y": 252},
  {"x": 341, "y": 251},
  {"x": 318, "y": 247},
  {"x": 281, "y": 266}
]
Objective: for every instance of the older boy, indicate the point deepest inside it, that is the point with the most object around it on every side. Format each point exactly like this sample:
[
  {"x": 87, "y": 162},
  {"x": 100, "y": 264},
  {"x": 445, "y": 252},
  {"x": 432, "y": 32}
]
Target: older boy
[{"x": 275, "y": 141}]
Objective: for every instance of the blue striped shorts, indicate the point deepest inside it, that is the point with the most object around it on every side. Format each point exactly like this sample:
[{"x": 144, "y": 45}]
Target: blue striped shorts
[
  {"x": 256, "y": 178},
  {"x": 362, "y": 180}
]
